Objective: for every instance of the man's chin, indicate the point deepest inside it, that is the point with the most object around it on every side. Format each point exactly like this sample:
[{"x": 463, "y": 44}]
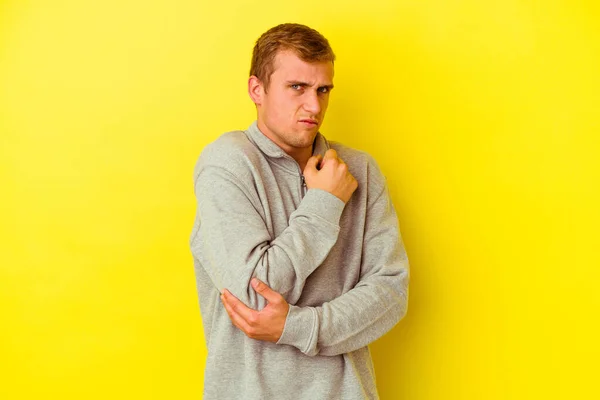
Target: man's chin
[{"x": 307, "y": 139}]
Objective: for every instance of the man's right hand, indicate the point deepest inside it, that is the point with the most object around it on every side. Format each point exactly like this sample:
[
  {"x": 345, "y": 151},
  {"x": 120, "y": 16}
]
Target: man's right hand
[{"x": 332, "y": 176}]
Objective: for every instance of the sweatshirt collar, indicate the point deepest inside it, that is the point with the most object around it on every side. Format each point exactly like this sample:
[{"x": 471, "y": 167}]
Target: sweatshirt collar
[{"x": 267, "y": 146}]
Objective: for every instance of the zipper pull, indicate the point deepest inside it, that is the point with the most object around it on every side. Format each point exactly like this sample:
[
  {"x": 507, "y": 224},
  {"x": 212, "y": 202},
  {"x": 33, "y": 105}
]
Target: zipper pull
[{"x": 303, "y": 181}]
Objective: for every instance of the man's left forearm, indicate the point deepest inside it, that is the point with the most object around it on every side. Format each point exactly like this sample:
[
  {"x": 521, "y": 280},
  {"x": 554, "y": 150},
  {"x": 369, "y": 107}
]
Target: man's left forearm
[
  {"x": 342, "y": 325},
  {"x": 351, "y": 321}
]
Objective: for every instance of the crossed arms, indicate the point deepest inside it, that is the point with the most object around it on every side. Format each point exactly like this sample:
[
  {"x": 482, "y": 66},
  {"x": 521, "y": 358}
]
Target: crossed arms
[{"x": 233, "y": 255}]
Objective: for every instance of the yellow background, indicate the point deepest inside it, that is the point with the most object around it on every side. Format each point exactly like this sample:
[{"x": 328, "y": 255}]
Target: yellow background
[{"x": 482, "y": 114}]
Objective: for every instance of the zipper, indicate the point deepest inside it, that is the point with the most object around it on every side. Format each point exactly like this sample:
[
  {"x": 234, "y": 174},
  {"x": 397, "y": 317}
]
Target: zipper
[{"x": 303, "y": 189}]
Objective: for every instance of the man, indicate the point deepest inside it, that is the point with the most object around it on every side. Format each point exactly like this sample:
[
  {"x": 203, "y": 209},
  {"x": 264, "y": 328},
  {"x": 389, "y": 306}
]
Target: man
[{"x": 298, "y": 256}]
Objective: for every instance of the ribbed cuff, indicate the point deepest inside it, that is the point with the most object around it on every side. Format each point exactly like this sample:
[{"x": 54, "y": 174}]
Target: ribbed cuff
[
  {"x": 322, "y": 204},
  {"x": 301, "y": 329}
]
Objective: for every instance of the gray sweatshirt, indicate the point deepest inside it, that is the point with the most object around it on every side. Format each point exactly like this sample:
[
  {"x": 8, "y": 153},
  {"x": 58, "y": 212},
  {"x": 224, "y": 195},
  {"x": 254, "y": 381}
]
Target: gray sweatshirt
[{"x": 342, "y": 268}]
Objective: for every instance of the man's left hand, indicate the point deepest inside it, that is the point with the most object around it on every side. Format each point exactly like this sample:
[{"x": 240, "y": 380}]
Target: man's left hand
[{"x": 266, "y": 324}]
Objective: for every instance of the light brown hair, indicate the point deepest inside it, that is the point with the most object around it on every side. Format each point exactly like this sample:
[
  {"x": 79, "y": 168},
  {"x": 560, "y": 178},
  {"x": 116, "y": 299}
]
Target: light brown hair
[{"x": 308, "y": 44}]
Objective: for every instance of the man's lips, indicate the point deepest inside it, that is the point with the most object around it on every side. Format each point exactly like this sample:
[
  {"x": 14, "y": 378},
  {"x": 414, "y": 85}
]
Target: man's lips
[{"x": 309, "y": 121}]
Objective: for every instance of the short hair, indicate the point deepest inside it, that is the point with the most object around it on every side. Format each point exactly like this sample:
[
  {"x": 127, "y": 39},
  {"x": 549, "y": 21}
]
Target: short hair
[{"x": 308, "y": 44}]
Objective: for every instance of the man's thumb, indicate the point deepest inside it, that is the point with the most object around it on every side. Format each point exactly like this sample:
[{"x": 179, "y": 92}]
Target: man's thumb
[
  {"x": 312, "y": 162},
  {"x": 265, "y": 291}
]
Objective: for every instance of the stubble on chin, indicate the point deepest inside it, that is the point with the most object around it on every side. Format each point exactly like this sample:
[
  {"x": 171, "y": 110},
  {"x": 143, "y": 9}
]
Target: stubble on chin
[{"x": 302, "y": 139}]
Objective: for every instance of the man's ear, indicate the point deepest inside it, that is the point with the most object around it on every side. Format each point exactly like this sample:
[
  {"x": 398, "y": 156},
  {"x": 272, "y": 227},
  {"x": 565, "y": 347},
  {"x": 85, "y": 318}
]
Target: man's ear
[{"x": 255, "y": 90}]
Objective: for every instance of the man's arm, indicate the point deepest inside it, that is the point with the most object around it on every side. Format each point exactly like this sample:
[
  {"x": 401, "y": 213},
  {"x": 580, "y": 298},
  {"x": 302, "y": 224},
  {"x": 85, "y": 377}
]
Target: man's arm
[
  {"x": 370, "y": 309},
  {"x": 234, "y": 245},
  {"x": 357, "y": 317}
]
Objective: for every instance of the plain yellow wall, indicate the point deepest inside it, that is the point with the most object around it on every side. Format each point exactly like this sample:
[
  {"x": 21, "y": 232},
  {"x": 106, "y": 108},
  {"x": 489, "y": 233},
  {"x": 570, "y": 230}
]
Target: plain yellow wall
[{"x": 482, "y": 114}]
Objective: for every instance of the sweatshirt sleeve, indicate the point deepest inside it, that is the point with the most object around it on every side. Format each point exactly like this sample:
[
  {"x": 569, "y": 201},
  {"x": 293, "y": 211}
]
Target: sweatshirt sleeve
[
  {"x": 370, "y": 309},
  {"x": 234, "y": 245}
]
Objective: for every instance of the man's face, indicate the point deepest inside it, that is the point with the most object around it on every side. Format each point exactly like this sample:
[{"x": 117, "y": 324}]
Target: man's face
[{"x": 292, "y": 109}]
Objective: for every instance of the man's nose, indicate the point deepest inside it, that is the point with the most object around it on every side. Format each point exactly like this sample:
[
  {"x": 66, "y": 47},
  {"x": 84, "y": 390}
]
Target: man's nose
[{"x": 312, "y": 103}]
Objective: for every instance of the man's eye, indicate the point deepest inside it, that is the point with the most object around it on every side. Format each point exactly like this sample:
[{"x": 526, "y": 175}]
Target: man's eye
[
  {"x": 295, "y": 86},
  {"x": 324, "y": 89}
]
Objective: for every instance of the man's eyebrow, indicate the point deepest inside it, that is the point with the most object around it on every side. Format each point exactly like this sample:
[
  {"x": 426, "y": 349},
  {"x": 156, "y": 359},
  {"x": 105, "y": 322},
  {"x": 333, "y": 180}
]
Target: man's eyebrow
[{"x": 305, "y": 84}]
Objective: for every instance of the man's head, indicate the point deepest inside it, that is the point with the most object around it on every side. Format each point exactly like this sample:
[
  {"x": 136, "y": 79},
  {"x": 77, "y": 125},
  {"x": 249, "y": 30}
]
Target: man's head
[{"x": 290, "y": 79}]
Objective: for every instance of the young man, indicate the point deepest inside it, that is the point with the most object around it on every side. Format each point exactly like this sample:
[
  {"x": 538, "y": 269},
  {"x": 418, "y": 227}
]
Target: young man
[{"x": 298, "y": 256}]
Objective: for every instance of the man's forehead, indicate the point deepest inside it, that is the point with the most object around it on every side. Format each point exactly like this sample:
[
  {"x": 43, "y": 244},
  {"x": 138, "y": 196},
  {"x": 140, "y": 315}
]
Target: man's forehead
[{"x": 288, "y": 66}]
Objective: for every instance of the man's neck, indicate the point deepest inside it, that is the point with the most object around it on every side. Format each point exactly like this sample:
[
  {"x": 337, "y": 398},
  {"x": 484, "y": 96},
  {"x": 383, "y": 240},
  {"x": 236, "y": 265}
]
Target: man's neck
[
  {"x": 301, "y": 155},
  {"x": 304, "y": 159}
]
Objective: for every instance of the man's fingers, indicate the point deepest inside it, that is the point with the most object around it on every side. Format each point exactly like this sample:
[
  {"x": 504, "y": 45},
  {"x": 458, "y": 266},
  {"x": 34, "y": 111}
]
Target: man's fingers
[
  {"x": 331, "y": 153},
  {"x": 239, "y": 309},
  {"x": 235, "y": 318},
  {"x": 265, "y": 291},
  {"x": 312, "y": 163},
  {"x": 317, "y": 162}
]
